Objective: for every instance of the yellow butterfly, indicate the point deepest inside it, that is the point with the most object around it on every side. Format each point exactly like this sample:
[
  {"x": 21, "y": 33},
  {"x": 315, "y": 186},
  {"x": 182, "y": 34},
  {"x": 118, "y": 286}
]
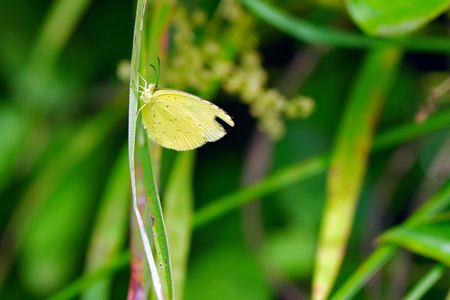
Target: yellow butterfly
[{"x": 179, "y": 120}]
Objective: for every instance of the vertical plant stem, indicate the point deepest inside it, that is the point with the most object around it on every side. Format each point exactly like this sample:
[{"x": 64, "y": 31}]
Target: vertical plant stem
[
  {"x": 132, "y": 125},
  {"x": 348, "y": 164},
  {"x": 426, "y": 283}
]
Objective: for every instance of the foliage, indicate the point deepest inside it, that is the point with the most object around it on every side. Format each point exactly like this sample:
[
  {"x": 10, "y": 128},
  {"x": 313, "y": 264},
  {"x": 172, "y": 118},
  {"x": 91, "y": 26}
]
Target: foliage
[{"x": 335, "y": 177}]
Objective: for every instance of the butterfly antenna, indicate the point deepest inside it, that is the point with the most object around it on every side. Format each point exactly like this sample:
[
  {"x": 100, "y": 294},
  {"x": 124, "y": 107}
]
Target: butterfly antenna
[{"x": 159, "y": 71}]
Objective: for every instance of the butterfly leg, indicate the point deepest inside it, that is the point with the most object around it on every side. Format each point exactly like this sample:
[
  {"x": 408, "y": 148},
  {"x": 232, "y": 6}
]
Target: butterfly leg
[
  {"x": 137, "y": 114},
  {"x": 145, "y": 81}
]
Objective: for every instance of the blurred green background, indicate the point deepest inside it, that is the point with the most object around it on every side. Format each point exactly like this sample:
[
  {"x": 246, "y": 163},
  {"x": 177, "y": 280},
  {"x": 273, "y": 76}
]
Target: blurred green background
[{"x": 350, "y": 112}]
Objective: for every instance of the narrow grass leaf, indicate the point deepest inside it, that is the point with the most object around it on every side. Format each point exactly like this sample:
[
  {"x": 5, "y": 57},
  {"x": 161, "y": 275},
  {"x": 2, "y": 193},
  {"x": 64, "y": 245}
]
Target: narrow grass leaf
[
  {"x": 425, "y": 283},
  {"x": 69, "y": 155},
  {"x": 110, "y": 228},
  {"x": 439, "y": 121},
  {"x": 59, "y": 24},
  {"x": 312, "y": 167},
  {"x": 178, "y": 211},
  {"x": 430, "y": 240},
  {"x": 349, "y": 162},
  {"x": 83, "y": 283},
  {"x": 387, "y": 18},
  {"x": 135, "y": 283},
  {"x": 162, "y": 287},
  {"x": 277, "y": 181},
  {"x": 156, "y": 216},
  {"x": 383, "y": 253},
  {"x": 316, "y": 34},
  {"x": 58, "y": 230}
]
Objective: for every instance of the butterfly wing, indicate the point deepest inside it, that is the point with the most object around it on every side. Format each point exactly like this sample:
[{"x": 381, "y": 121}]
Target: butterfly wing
[{"x": 182, "y": 121}]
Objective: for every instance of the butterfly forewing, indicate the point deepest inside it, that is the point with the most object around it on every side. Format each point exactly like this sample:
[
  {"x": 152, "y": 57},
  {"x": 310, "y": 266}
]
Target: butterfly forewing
[{"x": 182, "y": 121}]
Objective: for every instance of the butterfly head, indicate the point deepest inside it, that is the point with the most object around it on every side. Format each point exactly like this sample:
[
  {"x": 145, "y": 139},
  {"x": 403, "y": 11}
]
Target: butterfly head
[{"x": 148, "y": 91}]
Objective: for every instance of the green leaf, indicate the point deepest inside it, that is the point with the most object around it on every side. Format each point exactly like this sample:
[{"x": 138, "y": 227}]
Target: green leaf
[
  {"x": 58, "y": 230},
  {"x": 83, "y": 283},
  {"x": 156, "y": 216},
  {"x": 390, "y": 18},
  {"x": 275, "y": 182},
  {"x": 425, "y": 283},
  {"x": 348, "y": 164},
  {"x": 433, "y": 206},
  {"x": 314, "y": 166},
  {"x": 318, "y": 34},
  {"x": 430, "y": 240},
  {"x": 178, "y": 209},
  {"x": 15, "y": 126},
  {"x": 226, "y": 272},
  {"x": 63, "y": 160},
  {"x": 60, "y": 23},
  {"x": 110, "y": 228}
]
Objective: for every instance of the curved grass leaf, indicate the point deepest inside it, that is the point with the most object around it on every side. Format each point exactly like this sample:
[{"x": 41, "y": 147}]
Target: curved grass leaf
[
  {"x": 389, "y": 18},
  {"x": 349, "y": 162},
  {"x": 433, "y": 206},
  {"x": 316, "y": 34},
  {"x": 430, "y": 240}
]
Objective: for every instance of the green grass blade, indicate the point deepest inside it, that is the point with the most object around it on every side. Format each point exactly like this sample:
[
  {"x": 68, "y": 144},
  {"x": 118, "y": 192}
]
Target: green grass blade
[
  {"x": 439, "y": 121},
  {"x": 145, "y": 36},
  {"x": 349, "y": 162},
  {"x": 110, "y": 228},
  {"x": 315, "y": 34},
  {"x": 275, "y": 182},
  {"x": 314, "y": 166},
  {"x": 83, "y": 283},
  {"x": 158, "y": 226},
  {"x": 348, "y": 290},
  {"x": 386, "y": 18},
  {"x": 178, "y": 211},
  {"x": 63, "y": 17},
  {"x": 35, "y": 82},
  {"x": 425, "y": 283},
  {"x": 430, "y": 208},
  {"x": 132, "y": 126},
  {"x": 15, "y": 128},
  {"x": 366, "y": 270},
  {"x": 83, "y": 141},
  {"x": 430, "y": 240},
  {"x": 58, "y": 25}
]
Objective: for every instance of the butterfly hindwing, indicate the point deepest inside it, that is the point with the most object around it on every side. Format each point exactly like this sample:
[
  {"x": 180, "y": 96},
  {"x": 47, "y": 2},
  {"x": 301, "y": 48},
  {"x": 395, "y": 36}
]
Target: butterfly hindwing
[{"x": 182, "y": 121}]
